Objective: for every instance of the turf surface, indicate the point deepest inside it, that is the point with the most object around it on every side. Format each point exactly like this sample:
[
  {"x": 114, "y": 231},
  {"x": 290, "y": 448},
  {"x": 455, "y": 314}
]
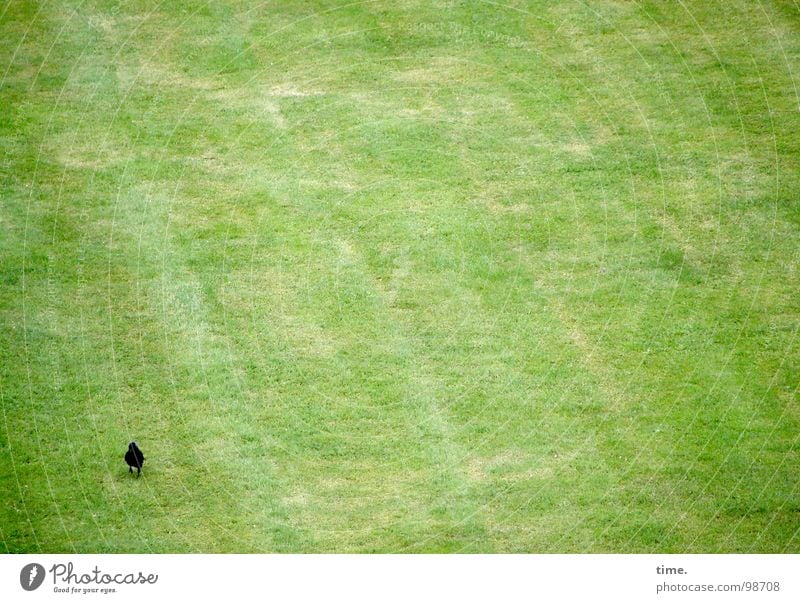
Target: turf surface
[{"x": 400, "y": 276}]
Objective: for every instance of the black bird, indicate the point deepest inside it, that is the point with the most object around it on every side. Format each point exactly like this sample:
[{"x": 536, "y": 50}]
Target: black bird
[{"x": 134, "y": 458}]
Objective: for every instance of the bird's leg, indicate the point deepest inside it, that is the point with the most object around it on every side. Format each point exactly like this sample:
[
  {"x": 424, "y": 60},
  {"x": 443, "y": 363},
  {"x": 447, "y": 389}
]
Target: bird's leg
[
  {"x": 139, "y": 471},
  {"x": 130, "y": 469}
]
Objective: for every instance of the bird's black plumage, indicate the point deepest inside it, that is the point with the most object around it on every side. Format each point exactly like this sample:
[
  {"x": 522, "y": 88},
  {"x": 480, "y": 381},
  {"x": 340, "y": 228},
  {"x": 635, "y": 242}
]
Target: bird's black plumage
[{"x": 134, "y": 458}]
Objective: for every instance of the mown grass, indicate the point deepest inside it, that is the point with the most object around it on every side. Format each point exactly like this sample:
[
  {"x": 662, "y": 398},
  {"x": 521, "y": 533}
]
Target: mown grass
[{"x": 400, "y": 276}]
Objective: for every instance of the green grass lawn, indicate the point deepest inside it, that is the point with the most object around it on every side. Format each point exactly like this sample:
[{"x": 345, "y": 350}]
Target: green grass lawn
[{"x": 400, "y": 276}]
